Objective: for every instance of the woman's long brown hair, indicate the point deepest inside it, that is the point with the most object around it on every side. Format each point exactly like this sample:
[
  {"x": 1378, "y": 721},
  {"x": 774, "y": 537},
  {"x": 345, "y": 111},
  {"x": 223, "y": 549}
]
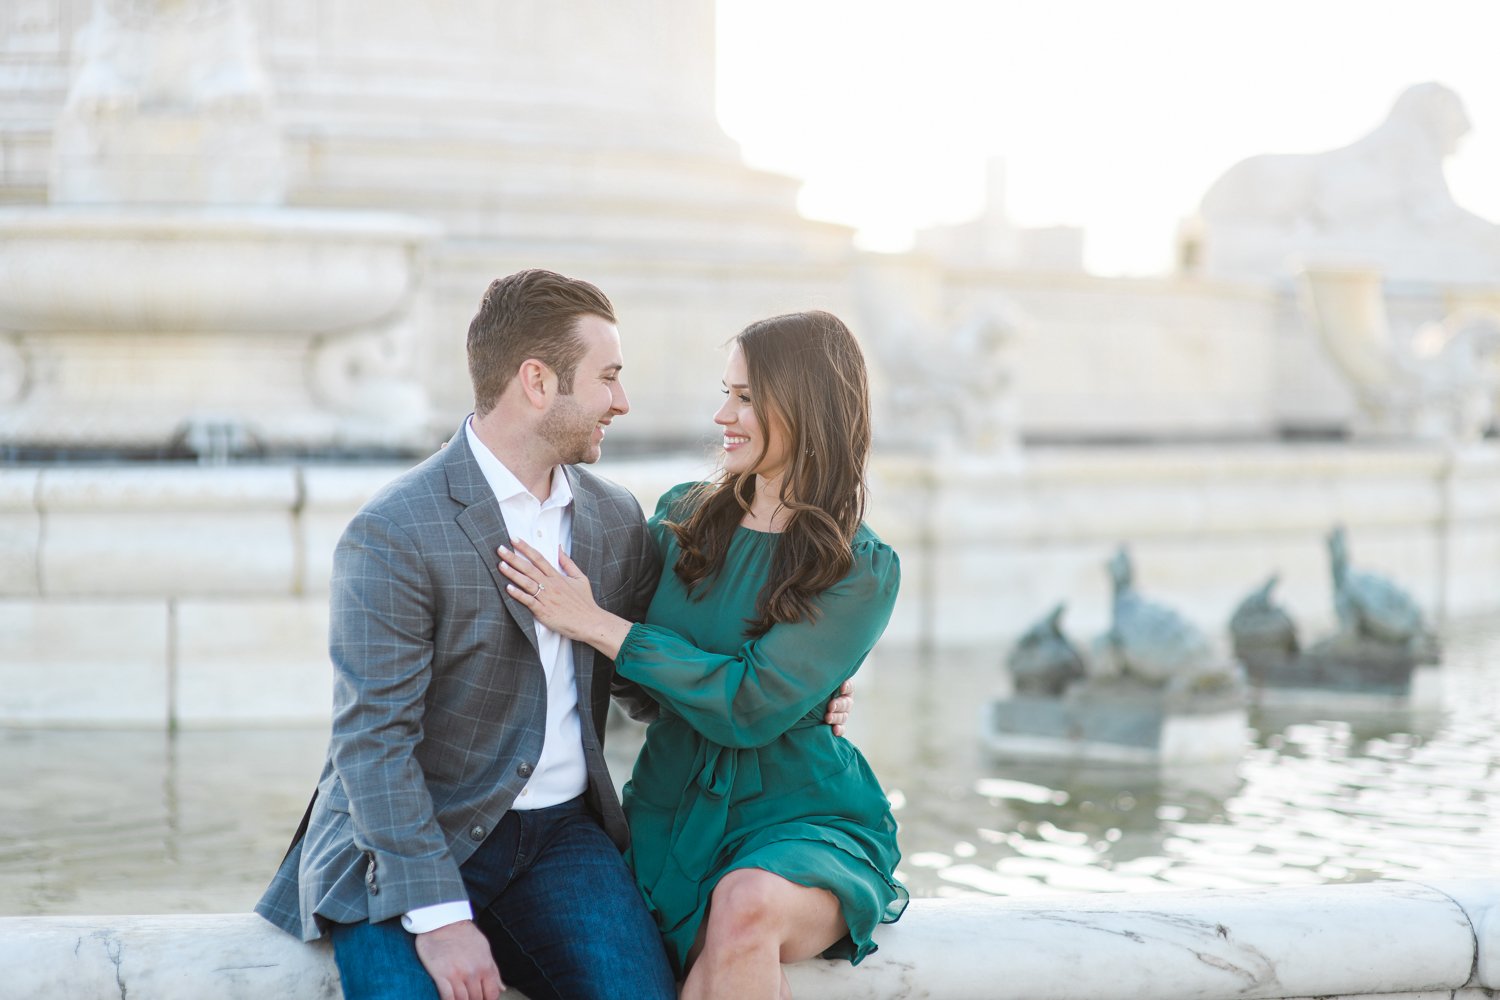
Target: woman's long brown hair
[{"x": 808, "y": 384}]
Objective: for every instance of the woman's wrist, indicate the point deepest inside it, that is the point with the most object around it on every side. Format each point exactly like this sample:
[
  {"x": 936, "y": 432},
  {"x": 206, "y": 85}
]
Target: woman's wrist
[{"x": 607, "y": 633}]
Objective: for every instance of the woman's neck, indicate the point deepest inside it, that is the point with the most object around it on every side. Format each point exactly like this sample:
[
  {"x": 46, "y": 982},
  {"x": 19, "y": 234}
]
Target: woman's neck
[{"x": 766, "y": 510}]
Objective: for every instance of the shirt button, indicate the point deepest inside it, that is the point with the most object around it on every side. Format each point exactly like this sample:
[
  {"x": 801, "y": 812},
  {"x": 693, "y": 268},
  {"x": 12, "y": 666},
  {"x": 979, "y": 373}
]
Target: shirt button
[
  {"x": 477, "y": 833},
  {"x": 523, "y": 769}
]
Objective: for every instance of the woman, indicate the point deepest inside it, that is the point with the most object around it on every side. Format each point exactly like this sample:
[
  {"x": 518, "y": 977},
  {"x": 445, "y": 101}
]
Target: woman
[{"x": 758, "y": 836}]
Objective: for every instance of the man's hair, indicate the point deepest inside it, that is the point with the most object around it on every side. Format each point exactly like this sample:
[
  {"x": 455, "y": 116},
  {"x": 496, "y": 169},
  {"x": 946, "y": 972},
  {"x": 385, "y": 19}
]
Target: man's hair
[{"x": 529, "y": 314}]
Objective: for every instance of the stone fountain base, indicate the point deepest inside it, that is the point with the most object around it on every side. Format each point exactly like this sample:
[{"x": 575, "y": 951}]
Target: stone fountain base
[
  {"x": 1117, "y": 726},
  {"x": 272, "y": 328},
  {"x": 1348, "y": 671},
  {"x": 155, "y": 594}
]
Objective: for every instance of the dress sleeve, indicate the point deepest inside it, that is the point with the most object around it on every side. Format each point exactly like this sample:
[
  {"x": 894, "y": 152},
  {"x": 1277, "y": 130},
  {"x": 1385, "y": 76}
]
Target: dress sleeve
[{"x": 751, "y": 697}]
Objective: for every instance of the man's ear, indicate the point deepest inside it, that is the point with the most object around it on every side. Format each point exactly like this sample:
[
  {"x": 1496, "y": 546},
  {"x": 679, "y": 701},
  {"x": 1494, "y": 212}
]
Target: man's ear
[{"x": 538, "y": 382}]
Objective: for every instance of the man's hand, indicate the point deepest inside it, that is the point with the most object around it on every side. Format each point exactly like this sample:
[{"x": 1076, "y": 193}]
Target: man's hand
[
  {"x": 839, "y": 707},
  {"x": 457, "y": 957}
]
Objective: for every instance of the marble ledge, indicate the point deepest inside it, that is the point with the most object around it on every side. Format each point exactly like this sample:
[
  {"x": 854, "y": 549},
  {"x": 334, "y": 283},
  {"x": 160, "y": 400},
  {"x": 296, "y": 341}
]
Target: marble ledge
[
  {"x": 170, "y": 552},
  {"x": 252, "y": 662},
  {"x": 344, "y": 489},
  {"x": 1398, "y": 940},
  {"x": 18, "y": 490},
  {"x": 1179, "y": 463},
  {"x": 113, "y": 488}
]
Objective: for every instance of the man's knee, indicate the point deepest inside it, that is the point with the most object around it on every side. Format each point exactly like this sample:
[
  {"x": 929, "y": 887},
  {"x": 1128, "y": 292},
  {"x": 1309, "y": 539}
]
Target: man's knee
[{"x": 379, "y": 962}]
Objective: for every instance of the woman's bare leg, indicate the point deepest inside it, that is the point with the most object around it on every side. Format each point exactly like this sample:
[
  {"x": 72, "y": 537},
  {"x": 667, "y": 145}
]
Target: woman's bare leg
[{"x": 757, "y": 921}]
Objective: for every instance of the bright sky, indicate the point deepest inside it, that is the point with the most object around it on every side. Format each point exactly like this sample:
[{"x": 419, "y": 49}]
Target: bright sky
[{"x": 1115, "y": 115}]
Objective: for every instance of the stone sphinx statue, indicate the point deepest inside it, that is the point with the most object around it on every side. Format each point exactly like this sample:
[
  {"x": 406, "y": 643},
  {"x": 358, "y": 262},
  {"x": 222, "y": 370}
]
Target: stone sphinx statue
[
  {"x": 1443, "y": 386},
  {"x": 1382, "y": 201}
]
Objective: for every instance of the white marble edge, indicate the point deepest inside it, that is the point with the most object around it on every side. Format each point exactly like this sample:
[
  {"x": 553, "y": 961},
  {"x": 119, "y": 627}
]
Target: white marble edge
[
  {"x": 1390, "y": 939},
  {"x": 1479, "y": 899}
]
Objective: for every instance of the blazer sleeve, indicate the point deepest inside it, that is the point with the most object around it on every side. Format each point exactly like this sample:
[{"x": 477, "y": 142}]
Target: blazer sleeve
[
  {"x": 637, "y": 702},
  {"x": 381, "y": 640}
]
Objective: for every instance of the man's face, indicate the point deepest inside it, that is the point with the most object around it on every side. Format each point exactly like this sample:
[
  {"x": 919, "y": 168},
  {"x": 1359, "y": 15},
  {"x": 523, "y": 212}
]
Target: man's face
[{"x": 574, "y": 426}]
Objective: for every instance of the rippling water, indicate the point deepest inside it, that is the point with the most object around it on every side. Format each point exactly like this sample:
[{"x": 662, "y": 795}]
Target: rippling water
[
  {"x": 1321, "y": 795},
  {"x": 112, "y": 822}
]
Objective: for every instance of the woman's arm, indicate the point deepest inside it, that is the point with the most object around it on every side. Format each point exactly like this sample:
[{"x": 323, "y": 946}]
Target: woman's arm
[
  {"x": 747, "y": 699},
  {"x": 751, "y": 697}
]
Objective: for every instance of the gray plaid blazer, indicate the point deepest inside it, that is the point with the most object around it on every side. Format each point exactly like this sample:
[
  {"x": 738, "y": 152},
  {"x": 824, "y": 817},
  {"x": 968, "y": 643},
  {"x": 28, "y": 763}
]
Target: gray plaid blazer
[{"x": 439, "y": 694}]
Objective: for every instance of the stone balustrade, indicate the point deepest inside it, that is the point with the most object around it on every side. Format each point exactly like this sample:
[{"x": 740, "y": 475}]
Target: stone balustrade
[
  {"x": 195, "y": 595},
  {"x": 1398, "y": 940}
]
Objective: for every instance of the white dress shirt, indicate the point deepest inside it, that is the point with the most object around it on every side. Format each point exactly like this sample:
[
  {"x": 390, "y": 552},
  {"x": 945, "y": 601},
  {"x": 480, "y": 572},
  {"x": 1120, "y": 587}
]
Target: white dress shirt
[{"x": 561, "y": 773}]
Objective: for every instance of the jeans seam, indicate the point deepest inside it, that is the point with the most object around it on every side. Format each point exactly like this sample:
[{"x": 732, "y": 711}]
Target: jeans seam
[
  {"x": 523, "y": 829},
  {"x": 540, "y": 971}
]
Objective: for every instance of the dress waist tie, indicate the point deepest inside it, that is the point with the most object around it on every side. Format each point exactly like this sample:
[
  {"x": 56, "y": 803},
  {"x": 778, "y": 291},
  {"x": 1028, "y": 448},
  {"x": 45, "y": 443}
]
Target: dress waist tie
[{"x": 703, "y": 819}]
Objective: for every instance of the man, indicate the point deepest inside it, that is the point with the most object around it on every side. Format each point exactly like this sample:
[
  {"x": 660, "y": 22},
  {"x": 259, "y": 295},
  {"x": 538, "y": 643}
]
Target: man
[{"x": 465, "y": 816}]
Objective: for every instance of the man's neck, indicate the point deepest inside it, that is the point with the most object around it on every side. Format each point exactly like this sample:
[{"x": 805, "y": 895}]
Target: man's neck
[{"x": 515, "y": 451}]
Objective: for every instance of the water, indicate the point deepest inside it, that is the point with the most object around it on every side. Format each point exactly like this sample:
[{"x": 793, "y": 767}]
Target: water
[
  {"x": 1315, "y": 799},
  {"x": 135, "y": 822}
]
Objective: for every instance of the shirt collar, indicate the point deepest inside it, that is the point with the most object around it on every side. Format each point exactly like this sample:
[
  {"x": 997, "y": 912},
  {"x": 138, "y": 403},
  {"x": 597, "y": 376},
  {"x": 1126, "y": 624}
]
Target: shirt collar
[{"x": 504, "y": 482}]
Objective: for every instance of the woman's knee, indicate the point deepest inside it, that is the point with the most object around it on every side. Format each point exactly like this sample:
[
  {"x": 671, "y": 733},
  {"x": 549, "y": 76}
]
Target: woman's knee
[{"x": 744, "y": 904}]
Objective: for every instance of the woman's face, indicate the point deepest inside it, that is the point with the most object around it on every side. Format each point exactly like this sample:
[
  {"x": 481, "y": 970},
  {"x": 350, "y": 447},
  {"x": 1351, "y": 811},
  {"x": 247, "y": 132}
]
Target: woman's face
[{"x": 744, "y": 438}]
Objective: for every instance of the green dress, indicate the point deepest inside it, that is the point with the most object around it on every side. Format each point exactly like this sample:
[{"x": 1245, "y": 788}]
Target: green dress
[{"x": 739, "y": 770}]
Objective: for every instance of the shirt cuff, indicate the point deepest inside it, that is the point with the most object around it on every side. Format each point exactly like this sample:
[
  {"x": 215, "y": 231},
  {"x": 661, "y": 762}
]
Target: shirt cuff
[{"x": 430, "y": 918}]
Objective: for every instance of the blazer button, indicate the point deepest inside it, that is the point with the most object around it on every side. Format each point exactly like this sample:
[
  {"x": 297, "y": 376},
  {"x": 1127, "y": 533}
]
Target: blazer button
[
  {"x": 477, "y": 833},
  {"x": 523, "y": 769}
]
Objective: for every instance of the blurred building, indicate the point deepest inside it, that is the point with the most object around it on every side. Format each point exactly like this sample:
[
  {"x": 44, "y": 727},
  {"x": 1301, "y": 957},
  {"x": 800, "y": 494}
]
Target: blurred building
[
  {"x": 259, "y": 228},
  {"x": 583, "y": 137}
]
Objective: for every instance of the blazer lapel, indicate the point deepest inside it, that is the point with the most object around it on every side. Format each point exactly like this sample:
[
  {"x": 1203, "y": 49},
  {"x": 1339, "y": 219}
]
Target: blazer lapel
[
  {"x": 481, "y": 521},
  {"x": 588, "y": 553}
]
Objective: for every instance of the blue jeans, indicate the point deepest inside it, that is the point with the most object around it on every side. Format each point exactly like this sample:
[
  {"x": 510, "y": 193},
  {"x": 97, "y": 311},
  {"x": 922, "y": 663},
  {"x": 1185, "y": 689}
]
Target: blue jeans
[{"x": 561, "y": 911}]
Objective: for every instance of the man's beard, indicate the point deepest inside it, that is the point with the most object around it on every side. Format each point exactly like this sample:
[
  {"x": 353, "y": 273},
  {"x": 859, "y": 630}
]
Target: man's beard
[{"x": 569, "y": 431}]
